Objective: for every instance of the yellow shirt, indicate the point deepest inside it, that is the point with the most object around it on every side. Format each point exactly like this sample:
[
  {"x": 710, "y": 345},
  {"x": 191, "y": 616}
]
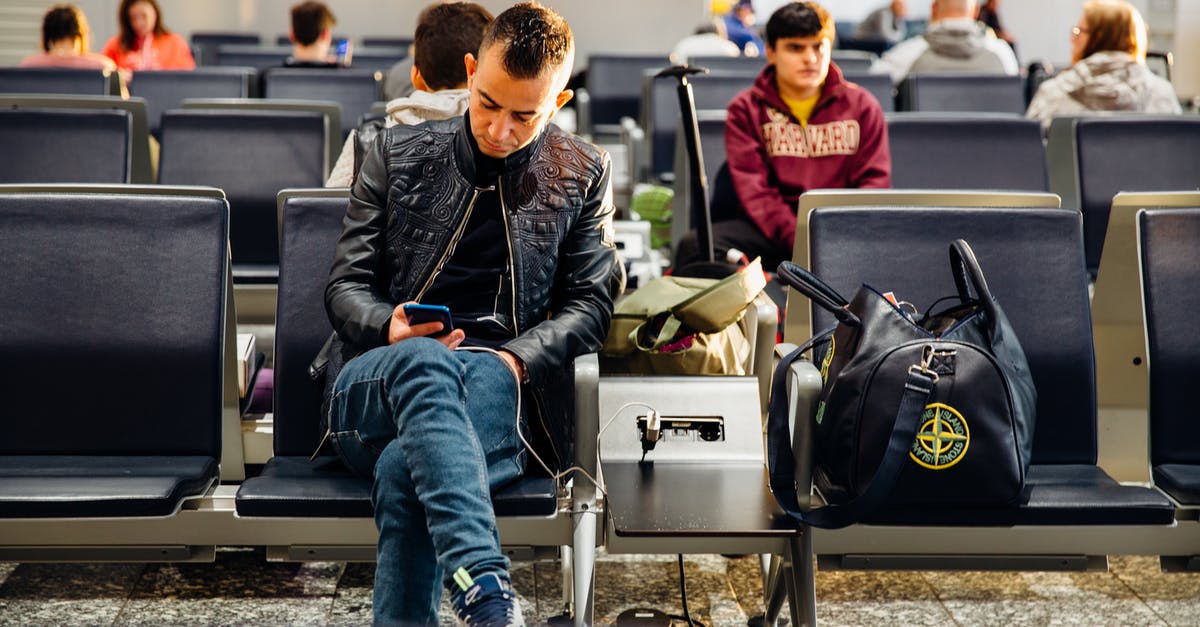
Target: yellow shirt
[{"x": 803, "y": 108}]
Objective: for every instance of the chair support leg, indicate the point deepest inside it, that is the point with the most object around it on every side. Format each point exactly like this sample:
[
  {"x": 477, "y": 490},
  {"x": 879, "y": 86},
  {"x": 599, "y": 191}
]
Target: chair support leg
[{"x": 584, "y": 563}]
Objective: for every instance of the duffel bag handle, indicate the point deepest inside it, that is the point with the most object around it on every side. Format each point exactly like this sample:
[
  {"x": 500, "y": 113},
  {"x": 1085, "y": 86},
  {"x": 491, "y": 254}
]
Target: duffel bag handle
[
  {"x": 819, "y": 291},
  {"x": 968, "y": 274}
]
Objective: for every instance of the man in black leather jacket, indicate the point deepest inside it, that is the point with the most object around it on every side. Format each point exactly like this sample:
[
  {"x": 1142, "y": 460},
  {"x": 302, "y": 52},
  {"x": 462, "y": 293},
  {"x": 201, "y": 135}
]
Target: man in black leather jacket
[{"x": 506, "y": 220}]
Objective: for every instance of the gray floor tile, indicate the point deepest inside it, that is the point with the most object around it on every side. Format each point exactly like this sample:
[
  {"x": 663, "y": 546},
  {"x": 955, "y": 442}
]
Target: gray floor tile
[
  {"x": 65, "y": 594},
  {"x": 1175, "y": 597},
  {"x": 352, "y": 599}
]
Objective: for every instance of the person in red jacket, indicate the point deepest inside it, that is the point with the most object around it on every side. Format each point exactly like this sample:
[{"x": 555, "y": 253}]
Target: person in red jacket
[{"x": 801, "y": 126}]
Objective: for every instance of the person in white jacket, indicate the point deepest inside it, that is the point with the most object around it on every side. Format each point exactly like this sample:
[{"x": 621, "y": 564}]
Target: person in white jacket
[
  {"x": 1109, "y": 73},
  {"x": 446, "y": 32},
  {"x": 954, "y": 42}
]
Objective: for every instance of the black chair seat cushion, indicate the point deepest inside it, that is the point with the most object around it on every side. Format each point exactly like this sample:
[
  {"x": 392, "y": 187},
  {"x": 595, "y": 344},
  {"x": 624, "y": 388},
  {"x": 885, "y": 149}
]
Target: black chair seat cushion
[
  {"x": 1181, "y": 481},
  {"x": 79, "y": 486},
  {"x": 292, "y": 486},
  {"x": 1059, "y": 494}
]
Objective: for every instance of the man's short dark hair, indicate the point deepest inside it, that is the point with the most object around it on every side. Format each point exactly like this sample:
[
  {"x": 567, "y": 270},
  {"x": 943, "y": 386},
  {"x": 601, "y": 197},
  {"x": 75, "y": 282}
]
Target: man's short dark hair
[
  {"x": 534, "y": 39},
  {"x": 309, "y": 20},
  {"x": 61, "y": 22},
  {"x": 445, "y": 33},
  {"x": 799, "y": 19}
]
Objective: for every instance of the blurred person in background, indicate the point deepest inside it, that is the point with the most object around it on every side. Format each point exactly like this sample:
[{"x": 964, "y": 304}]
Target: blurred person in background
[
  {"x": 989, "y": 15},
  {"x": 740, "y": 29},
  {"x": 954, "y": 42},
  {"x": 887, "y": 23},
  {"x": 65, "y": 39},
  {"x": 144, "y": 43},
  {"x": 1109, "y": 73},
  {"x": 312, "y": 36}
]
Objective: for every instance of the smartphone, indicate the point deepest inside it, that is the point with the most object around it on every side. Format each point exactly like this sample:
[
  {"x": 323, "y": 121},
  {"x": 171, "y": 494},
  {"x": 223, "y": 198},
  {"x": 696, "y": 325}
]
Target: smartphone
[
  {"x": 418, "y": 314},
  {"x": 343, "y": 52}
]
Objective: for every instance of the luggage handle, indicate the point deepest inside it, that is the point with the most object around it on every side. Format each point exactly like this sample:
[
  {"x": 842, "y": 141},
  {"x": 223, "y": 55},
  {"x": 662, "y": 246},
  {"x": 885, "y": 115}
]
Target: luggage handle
[
  {"x": 968, "y": 274},
  {"x": 819, "y": 291}
]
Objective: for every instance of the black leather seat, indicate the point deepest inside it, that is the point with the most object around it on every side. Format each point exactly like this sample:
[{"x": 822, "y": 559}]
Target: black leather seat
[
  {"x": 65, "y": 145},
  {"x": 207, "y": 42},
  {"x": 113, "y": 303},
  {"x": 991, "y": 93},
  {"x": 966, "y": 151},
  {"x": 290, "y": 485},
  {"x": 166, "y": 89},
  {"x": 355, "y": 90},
  {"x": 1170, "y": 262},
  {"x": 251, "y": 155},
  {"x": 1033, "y": 260},
  {"x": 39, "y": 80},
  {"x": 1130, "y": 154}
]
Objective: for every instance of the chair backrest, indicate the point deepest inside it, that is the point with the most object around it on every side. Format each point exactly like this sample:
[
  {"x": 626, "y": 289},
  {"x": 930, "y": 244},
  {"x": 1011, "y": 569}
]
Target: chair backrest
[
  {"x": 113, "y": 299},
  {"x": 1160, "y": 63},
  {"x": 354, "y": 90},
  {"x": 255, "y": 56},
  {"x": 661, "y": 113},
  {"x": 1170, "y": 265},
  {"x": 383, "y": 41},
  {"x": 712, "y": 149},
  {"x": 331, "y": 111},
  {"x": 995, "y": 93},
  {"x": 853, "y": 60},
  {"x": 740, "y": 65},
  {"x": 167, "y": 89},
  {"x": 377, "y": 58},
  {"x": 967, "y": 151},
  {"x": 614, "y": 86},
  {"x": 141, "y": 170},
  {"x": 64, "y": 146},
  {"x": 1131, "y": 154},
  {"x": 208, "y": 42},
  {"x": 310, "y": 224},
  {"x": 251, "y": 155},
  {"x": 880, "y": 86},
  {"x": 55, "y": 80},
  {"x": 1033, "y": 261}
]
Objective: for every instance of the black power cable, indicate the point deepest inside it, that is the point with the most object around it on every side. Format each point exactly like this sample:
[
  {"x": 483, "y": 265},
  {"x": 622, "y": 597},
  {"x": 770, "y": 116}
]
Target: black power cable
[{"x": 683, "y": 598}]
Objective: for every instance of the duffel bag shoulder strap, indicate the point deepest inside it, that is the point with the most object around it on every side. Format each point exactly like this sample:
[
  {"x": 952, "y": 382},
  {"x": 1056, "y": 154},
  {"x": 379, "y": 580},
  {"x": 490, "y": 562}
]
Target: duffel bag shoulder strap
[{"x": 781, "y": 461}]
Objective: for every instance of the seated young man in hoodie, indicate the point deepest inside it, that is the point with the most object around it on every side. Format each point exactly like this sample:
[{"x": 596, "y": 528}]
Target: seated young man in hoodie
[
  {"x": 954, "y": 42},
  {"x": 445, "y": 34},
  {"x": 801, "y": 126}
]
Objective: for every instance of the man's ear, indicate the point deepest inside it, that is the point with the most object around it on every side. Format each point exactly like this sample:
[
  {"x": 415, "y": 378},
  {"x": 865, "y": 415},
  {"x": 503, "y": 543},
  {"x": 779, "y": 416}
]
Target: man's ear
[
  {"x": 326, "y": 35},
  {"x": 291, "y": 35},
  {"x": 470, "y": 63},
  {"x": 563, "y": 98},
  {"x": 418, "y": 81}
]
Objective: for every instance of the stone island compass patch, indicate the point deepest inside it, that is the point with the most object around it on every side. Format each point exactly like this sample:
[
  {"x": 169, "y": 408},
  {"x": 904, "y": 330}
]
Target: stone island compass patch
[{"x": 942, "y": 439}]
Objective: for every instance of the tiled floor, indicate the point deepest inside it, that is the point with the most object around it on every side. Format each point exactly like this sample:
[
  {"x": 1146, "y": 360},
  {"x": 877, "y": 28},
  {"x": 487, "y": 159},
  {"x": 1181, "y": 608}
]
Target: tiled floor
[{"x": 242, "y": 588}]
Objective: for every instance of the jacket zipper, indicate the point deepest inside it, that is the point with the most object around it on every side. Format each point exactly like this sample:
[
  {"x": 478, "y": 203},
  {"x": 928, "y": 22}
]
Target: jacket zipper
[
  {"x": 458, "y": 233},
  {"x": 512, "y": 260}
]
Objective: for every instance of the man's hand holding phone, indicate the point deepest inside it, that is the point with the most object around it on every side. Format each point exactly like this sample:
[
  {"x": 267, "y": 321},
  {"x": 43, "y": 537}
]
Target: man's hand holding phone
[{"x": 414, "y": 320}]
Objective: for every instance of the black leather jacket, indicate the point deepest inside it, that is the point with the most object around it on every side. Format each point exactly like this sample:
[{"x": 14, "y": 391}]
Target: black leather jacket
[{"x": 406, "y": 213}]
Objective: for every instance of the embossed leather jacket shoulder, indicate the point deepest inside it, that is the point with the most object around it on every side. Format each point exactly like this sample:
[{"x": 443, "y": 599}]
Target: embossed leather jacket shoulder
[{"x": 411, "y": 200}]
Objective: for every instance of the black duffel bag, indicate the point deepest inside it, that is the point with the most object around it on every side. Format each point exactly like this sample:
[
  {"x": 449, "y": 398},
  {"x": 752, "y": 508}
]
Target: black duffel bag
[{"x": 915, "y": 410}]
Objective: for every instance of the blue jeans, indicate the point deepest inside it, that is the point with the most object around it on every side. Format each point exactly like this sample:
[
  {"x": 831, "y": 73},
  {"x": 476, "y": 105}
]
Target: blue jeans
[{"x": 438, "y": 430}]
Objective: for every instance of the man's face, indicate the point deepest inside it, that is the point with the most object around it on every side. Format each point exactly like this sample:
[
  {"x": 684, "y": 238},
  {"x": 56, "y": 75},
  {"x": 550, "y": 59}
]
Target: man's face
[
  {"x": 801, "y": 64},
  {"x": 508, "y": 113}
]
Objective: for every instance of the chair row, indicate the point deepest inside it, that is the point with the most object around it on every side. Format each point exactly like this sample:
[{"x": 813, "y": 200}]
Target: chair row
[
  {"x": 206, "y": 45},
  {"x": 355, "y": 90}
]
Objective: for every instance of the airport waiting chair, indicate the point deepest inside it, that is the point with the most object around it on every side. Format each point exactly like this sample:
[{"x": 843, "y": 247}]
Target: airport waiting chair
[
  {"x": 64, "y": 146},
  {"x": 990, "y": 93},
  {"x": 251, "y": 155},
  {"x": 115, "y": 343},
  {"x": 1170, "y": 275},
  {"x": 1076, "y": 514},
  {"x": 355, "y": 90},
  {"x": 42, "y": 80},
  {"x": 1129, "y": 153},
  {"x": 723, "y": 199},
  {"x": 880, "y": 86},
  {"x": 331, "y": 111},
  {"x": 377, "y": 58},
  {"x": 737, "y": 65},
  {"x": 966, "y": 151},
  {"x": 299, "y": 496},
  {"x": 613, "y": 90},
  {"x": 853, "y": 60},
  {"x": 252, "y": 55},
  {"x": 167, "y": 89},
  {"x": 208, "y": 41},
  {"x": 383, "y": 41},
  {"x": 660, "y": 116},
  {"x": 141, "y": 170}
]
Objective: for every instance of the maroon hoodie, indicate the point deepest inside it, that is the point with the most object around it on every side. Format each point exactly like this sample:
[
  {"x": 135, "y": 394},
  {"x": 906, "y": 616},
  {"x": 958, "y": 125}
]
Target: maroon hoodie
[{"x": 773, "y": 159}]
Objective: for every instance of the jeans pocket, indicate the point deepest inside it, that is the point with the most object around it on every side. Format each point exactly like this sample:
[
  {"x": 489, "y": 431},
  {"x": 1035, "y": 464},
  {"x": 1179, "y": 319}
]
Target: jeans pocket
[{"x": 358, "y": 455}]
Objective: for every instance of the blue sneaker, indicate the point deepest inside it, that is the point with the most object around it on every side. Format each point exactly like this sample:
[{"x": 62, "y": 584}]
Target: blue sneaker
[{"x": 486, "y": 601}]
